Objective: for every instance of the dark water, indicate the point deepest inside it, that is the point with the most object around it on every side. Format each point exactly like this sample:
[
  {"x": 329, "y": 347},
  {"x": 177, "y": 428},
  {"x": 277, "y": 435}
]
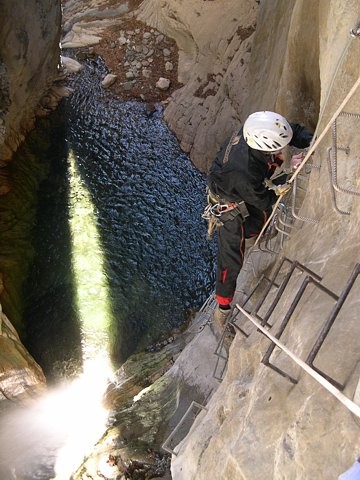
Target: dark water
[{"x": 147, "y": 198}]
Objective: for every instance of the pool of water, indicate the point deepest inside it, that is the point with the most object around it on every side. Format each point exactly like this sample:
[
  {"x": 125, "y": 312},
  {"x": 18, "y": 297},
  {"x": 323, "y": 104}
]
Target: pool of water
[{"x": 120, "y": 196}]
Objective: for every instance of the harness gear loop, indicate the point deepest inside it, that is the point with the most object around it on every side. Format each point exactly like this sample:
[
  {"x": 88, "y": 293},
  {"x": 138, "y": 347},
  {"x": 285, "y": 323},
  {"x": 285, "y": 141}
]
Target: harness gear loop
[{"x": 219, "y": 210}]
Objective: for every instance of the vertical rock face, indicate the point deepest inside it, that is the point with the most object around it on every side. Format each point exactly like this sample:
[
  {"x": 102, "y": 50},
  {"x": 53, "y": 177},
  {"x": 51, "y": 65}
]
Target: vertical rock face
[
  {"x": 302, "y": 63},
  {"x": 215, "y": 40},
  {"x": 29, "y": 56},
  {"x": 20, "y": 376},
  {"x": 237, "y": 57},
  {"x": 284, "y": 71}
]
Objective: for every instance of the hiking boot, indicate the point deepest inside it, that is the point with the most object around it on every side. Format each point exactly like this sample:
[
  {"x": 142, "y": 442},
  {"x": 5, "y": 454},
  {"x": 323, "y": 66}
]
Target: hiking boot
[{"x": 219, "y": 320}]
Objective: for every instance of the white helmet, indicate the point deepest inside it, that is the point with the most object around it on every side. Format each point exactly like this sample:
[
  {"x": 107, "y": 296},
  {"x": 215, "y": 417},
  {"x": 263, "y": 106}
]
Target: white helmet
[{"x": 267, "y": 131}]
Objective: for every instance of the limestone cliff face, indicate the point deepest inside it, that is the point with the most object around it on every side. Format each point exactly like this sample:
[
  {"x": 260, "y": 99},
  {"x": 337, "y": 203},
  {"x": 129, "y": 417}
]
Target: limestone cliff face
[
  {"x": 229, "y": 71},
  {"x": 20, "y": 376},
  {"x": 297, "y": 57},
  {"x": 215, "y": 41},
  {"x": 29, "y": 57},
  {"x": 301, "y": 61}
]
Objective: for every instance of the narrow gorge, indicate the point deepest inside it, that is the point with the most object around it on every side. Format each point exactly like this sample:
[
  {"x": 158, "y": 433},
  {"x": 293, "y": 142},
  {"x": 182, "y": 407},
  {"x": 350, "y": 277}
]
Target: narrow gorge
[{"x": 110, "y": 116}]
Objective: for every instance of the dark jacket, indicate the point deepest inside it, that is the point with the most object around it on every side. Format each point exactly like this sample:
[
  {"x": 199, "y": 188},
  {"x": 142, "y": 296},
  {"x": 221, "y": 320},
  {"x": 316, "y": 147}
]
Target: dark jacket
[{"x": 242, "y": 177}]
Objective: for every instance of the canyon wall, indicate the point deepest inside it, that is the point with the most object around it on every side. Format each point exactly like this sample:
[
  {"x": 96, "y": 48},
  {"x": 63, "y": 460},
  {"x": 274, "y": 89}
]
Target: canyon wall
[
  {"x": 297, "y": 57},
  {"x": 29, "y": 59},
  {"x": 229, "y": 71},
  {"x": 301, "y": 61}
]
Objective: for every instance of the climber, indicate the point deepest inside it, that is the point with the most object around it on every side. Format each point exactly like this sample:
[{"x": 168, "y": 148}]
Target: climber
[{"x": 239, "y": 201}]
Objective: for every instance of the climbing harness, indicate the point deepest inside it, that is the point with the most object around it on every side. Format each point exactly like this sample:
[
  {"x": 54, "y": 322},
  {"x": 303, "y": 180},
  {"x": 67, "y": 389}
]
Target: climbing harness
[
  {"x": 213, "y": 220},
  {"x": 218, "y": 209}
]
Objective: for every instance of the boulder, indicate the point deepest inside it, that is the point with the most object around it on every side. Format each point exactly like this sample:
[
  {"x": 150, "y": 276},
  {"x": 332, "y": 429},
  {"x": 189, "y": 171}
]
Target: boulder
[
  {"x": 70, "y": 65},
  {"x": 108, "y": 80},
  {"x": 163, "y": 83}
]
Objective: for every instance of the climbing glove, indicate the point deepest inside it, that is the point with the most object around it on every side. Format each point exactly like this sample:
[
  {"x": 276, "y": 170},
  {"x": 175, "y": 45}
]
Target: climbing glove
[
  {"x": 278, "y": 189},
  {"x": 282, "y": 189}
]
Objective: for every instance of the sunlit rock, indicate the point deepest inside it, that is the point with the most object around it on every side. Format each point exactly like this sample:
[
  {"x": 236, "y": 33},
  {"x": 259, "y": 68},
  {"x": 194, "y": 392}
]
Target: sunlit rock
[
  {"x": 108, "y": 80},
  {"x": 169, "y": 66},
  {"x": 70, "y": 65},
  {"x": 163, "y": 83},
  {"x": 20, "y": 376},
  {"x": 110, "y": 467},
  {"x": 79, "y": 39}
]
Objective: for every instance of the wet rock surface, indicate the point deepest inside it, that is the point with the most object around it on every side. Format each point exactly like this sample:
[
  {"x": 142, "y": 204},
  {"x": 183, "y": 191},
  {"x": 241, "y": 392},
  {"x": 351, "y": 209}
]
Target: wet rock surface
[
  {"x": 147, "y": 398},
  {"x": 20, "y": 376}
]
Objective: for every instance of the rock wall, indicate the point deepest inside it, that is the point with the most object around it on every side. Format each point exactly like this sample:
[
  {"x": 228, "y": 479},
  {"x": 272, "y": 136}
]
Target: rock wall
[
  {"x": 294, "y": 56},
  {"x": 29, "y": 59},
  {"x": 20, "y": 376},
  {"x": 215, "y": 40},
  {"x": 258, "y": 425},
  {"x": 229, "y": 71}
]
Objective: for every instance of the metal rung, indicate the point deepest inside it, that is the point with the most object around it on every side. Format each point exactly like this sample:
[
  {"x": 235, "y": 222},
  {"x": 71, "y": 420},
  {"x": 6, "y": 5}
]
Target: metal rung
[
  {"x": 208, "y": 302},
  {"x": 219, "y": 376},
  {"x": 264, "y": 243},
  {"x": 232, "y": 320},
  {"x": 283, "y": 232},
  {"x": 220, "y": 344},
  {"x": 306, "y": 282},
  {"x": 294, "y": 214},
  {"x": 349, "y": 404},
  {"x": 324, "y": 331},
  {"x": 271, "y": 284},
  {"x": 329, "y": 323},
  {"x": 335, "y": 148},
  {"x": 220, "y": 348},
  {"x": 294, "y": 265},
  {"x": 333, "y": 191},
  {"x": 194, "y": 405}
]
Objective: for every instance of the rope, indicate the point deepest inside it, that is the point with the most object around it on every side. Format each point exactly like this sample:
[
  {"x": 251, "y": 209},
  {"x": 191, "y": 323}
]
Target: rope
[
  {"x": 311, "y": 151},
  {"x": 349, "y": 404}
]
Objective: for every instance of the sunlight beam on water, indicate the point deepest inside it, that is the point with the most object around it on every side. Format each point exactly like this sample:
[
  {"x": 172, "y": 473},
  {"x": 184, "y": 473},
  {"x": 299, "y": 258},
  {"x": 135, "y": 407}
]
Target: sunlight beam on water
[
  {"x": 90, "y": 280},
  {"x": 50, "y": 437},
  {"x": 81, "y": 401}
]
